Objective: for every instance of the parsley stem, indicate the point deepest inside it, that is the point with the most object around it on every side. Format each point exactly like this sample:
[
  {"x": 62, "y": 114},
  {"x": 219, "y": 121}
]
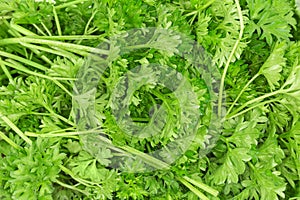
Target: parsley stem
[
  {"x": 258, "y": 99},
  {"x": 19, "y": 29},
  {"x": 46, "y": 29},
  {"x": 61, "y": 134},
  {"x": 9, "y": 141},
  {"x": 230, "y": 57},
  {"x": 68, "y": 37},
  {"x": 69, "y": 4},
  {"x": 7, "y": 73},
  {"x": 15, "y": 128},
  {"x": 192, "y": 188},
  {"x": 83, "y": 50},
  {"x": 202, "y": 186},
  {"x": 71, "y": 187},
  {"x": 39, "y": 30},
  {"x": 20, "y": 67},
  {"x": 23, "y": 60},
  {"x": 241, "y": 92},
  {"x": 49, "y": 50},
  {"x": 79, "y": 180},
  {"x": 56, "y": 21},
  {"x": 251, "y": 108},
  {"x": 156, "y": 163}
]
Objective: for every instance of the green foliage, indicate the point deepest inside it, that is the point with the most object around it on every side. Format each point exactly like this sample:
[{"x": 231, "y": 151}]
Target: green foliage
[{"x": 45, "y": 154}]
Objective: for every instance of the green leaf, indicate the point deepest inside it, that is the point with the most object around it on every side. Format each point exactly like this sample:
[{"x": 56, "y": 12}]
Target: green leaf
[
  {"x": 233, "y": 166},
  {"x": 272, "y": 68}
]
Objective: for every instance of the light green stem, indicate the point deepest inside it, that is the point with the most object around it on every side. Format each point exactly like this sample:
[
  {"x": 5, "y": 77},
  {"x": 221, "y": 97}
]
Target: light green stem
[
  {"x": 83, "y": 50},
  {"x": 241, "y": 92},
  {"x": 57, "y": 21},
  {"x": 9, "y": 141},
  {"x": 193, "y": 189},
  {"x": 230, "y": 57},
  {"x": 250, "y": 108},
  {"x": 258, "y": 99},
  {"x": 15, "y": 128},
  {"x": 69, "y": 4},
  {"x": 71, "y": 187},
  {"x": 202, "y": 186}
]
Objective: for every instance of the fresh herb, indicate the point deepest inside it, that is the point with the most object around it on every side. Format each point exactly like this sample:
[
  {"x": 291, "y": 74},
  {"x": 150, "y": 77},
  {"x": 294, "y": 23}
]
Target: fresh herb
[{"x": 64, "y": 127}]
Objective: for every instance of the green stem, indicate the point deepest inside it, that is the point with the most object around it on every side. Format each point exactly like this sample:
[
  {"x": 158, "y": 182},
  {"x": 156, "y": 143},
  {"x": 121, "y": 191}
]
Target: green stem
[
  {"x": 23, "y": 60},
  {"x": 79, "y": 180},
  {"x": 230, "y": 57},
  {"x": 9, "y": 141},
  {"x": 83, "y": 50},
  {"x": 7, "y": 73},
  {"x": 69, "y": 4},
  {"x": 207, "y": 5},
  {"x": 46, "y": 29},
  {"x": 21, "y": 30},
  {"x": 251, "y": 108},
  {"x": 39, "y": 30},
  {"x": 241, "y": 92},
  {"x": 20, "y": 67},
  {"x": 69, "y": 37},
  {"x": 62, "y": 118},
  {"x": 192, "y": 188},
  {"x": 57, "y": 21},
  {"x": 202, "y": 186},
  {"x": 64, "y": 134},
  {"x": 71, "y": 187},
  {"x": 158, "y": 164},
  {"x": 45, "y": 49},
  {"x": 258, "y": 99},
  {"x": 15, "y": 128}
]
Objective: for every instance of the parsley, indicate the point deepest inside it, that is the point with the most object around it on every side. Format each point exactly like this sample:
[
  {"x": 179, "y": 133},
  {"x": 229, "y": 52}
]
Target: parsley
[{"x": 205, "y": 104}]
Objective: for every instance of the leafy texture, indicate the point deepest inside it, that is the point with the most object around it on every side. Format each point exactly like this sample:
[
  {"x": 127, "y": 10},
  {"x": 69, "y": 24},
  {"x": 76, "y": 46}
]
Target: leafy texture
[{"x": 45, "y": 153}]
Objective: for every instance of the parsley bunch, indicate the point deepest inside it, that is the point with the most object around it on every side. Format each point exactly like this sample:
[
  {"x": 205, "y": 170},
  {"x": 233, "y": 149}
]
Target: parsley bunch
[{"x": 64, "y": 124}]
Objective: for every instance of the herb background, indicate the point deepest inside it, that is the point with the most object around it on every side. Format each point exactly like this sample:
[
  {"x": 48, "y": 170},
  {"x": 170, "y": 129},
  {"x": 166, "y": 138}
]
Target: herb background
[{"x": 253, "y": 43}]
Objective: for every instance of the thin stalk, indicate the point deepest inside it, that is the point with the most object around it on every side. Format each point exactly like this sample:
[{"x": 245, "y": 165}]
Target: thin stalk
[
  {"x": 79, "y": 180},
  {"x": 193, "y": 189},
  {"x": 20, "y": 67},
  {"x": 158, "y": 164},
  {"x": 23, "y": 60},
  {"x": 258, "y": 99},
  {"x": 46, "y": 29},
  {"x": 7, "y": 73},
  {"x": 202, "y": 186},
  {"x": 49, "y": 50},
  {"x": 21, "y": 30},
  {"x": 56, "y": 21},
  {"x": 15, "y": 128},
  {"x": 9, "y": 141},
  {"x": 71, "y": 187},
  {"x": 220, "y": 100},
  {"x": 69, "y": 4},
  {"x": 207, "y": 4},
  {"x": 251, "y": 108},
  {"x": 64, "y": 134},
  {"x": 241, "y": 92},
  {"x": 69, "y": 37},
  {"x": 62, "y": 118},
  {"x": 69, "y": 46},
  {"x": 30, "y": 34},
  {"x": 87, "y": 26},
  {"x": 39, "y": 30}
]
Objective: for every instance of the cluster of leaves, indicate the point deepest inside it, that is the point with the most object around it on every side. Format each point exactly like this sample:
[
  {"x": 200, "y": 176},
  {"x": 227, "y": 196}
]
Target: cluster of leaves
[{"x": 46, "y": 151}]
